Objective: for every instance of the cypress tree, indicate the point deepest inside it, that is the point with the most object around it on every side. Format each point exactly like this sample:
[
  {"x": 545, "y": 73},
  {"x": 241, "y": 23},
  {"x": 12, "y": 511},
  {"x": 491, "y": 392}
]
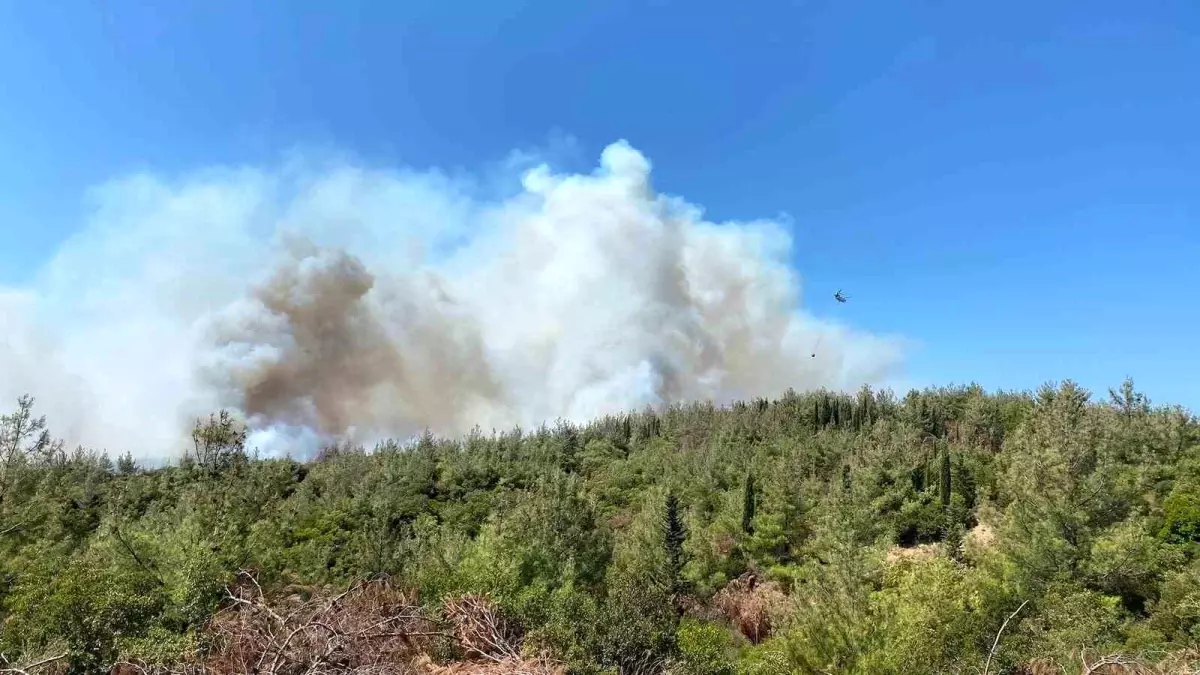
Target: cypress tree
[
  {"x": 651, "y": 426},
  {"x": 748, "y": 505},
  {"x": 674, "y": 535},
  {"x": 568, "y": 446},
  {"x": 946, "y": 477},
  {"x": 864, "y": 404}
]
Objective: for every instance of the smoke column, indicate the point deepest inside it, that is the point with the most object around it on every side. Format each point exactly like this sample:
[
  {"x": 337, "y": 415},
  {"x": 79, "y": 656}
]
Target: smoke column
[{"x": 348, "y": 302}]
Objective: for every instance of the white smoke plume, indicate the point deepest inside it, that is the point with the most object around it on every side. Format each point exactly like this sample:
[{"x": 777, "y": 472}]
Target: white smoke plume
[{"x": 361, "y": 303}]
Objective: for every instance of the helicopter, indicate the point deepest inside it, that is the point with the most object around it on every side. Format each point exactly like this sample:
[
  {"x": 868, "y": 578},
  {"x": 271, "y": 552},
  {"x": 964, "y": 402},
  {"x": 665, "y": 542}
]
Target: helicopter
[{"x": 840, "y": 297}]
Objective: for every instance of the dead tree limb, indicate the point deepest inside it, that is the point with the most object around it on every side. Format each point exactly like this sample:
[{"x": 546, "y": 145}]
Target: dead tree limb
[
  {"x": 1110, "y": 660},
  {"x": 996, "y": 643},
  {"x": 8, "y": 669}
]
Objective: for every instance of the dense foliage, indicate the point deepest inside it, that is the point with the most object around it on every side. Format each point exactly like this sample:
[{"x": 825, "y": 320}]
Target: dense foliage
[{"x": 815, "y": 533}]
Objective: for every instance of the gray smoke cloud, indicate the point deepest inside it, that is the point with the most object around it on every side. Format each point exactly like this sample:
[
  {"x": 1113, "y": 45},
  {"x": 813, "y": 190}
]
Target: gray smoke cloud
[{"x": 344, "y": 302}]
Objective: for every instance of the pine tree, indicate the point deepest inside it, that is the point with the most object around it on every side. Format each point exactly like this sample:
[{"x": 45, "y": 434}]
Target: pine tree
[
  {"x": 219, "y": 443},
  {"x": 125, "y": 465},
  {"x": 748, "y": 505},
  {"x": 1128, "y": 401}
]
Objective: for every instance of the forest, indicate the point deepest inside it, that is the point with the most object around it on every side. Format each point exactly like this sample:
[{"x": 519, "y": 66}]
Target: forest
[{"x": 949, "y": 530}]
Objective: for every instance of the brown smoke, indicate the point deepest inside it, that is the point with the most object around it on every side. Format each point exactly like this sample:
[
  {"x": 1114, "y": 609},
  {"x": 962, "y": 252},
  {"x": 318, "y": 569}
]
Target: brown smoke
[
  {"x": 338, "y": 353},
  {"x": 345, "y": 353}
]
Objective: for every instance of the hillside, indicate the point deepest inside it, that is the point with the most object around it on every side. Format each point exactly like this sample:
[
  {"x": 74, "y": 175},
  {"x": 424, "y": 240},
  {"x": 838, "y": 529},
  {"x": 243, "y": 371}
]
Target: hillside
[{"x": 949, "y": 531}]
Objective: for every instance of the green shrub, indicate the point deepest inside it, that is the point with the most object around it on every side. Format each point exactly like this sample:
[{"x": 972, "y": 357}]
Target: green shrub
[
  {"x": 88, "y": 604},
  {"x": 705, "y": 648},
  {"x": 768, "y": 658},
  {"x": 1181, "y": 512}
]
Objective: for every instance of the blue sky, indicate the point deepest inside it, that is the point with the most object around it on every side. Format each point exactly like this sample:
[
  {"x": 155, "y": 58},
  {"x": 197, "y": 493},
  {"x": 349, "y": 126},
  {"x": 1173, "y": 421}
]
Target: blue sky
[{"x": 1016, "y": 187}]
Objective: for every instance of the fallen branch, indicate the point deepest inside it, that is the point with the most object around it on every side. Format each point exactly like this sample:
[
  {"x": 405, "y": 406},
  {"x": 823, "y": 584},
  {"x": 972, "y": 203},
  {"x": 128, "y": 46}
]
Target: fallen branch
[
  {"x": 370, "y": 627},
  {"x": 12, "y": 528},
  {"x": 28, "y": 669},
  {"x": 996, "y": 643},
  {"x": 481, "y": 630},
  {"x": 1110, "y": 660}
]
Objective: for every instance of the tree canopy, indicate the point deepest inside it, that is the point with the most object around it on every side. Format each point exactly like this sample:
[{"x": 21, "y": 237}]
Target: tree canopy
[{"x": 817, "y": 532}]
